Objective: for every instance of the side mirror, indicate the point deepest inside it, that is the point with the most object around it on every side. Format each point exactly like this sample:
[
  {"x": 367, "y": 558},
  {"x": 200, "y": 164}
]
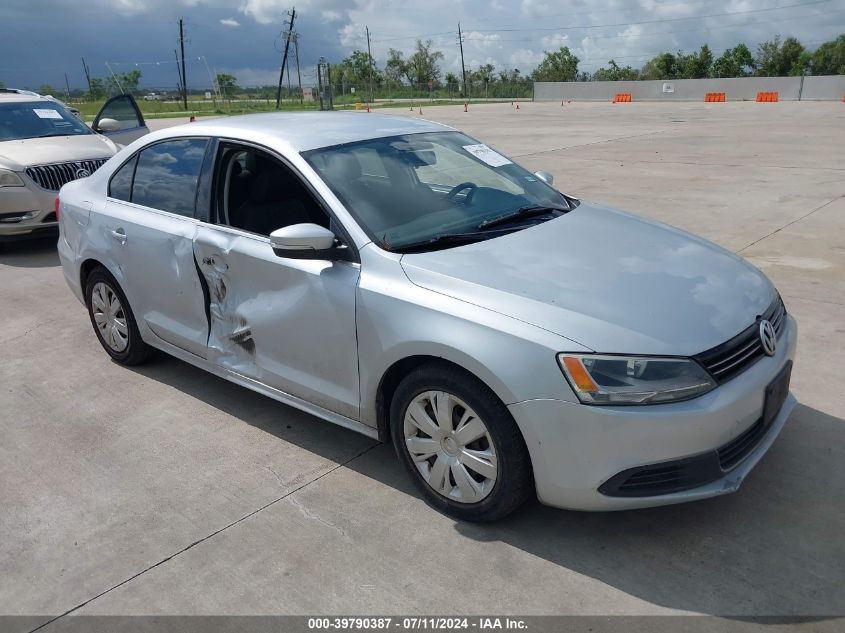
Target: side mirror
[
  {"x": 546, "y": 177},
  {"x": 306, "y": 241},
  {"x": 107, "y": 125}
]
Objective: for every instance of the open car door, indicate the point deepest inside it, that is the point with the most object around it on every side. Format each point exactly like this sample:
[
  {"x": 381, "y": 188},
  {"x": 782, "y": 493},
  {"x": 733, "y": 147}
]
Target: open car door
[{"x": 121, "y": 120}]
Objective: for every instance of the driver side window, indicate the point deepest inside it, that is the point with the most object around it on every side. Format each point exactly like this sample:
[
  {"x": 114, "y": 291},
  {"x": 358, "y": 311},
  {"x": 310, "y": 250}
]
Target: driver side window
[{"x": 255, "y": 192}]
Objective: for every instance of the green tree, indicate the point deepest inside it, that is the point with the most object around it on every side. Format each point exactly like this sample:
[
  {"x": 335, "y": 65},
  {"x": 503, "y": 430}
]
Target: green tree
[
  {"x": 46, "y": 89},
  {"x": 422, "y": 64},
  {"x": 356, "y": 70},
  {"x": 779, "y": 59},
  {"x": 695, "y": 65},
  {"x": 560, "y": 65},
  {"x": 227, "y": 84},
  {"x": 829, "y": 58},
  {"x": 98, "y": 88},
  {"x": 396, "y": 67},
  {"x": 485, "y": 73},
  {"x": 734, "y": 62},
  {"x": 128, "y": 82},
  {"x": 615, "y": 73},
  {"x": 452, "y": 78},
  {"x": 663, "y": 66}
]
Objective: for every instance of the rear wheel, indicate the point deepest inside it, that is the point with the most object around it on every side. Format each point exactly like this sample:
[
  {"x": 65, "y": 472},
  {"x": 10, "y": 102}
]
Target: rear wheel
[
  {"x": 460, "y": 444},
  {"x": 113, "y": 320}
]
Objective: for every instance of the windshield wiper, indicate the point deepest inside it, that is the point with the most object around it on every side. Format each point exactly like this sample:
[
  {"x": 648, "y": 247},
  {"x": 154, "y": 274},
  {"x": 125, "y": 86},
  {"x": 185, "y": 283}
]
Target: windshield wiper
[
  {"x": 522, "y": 212},
  {"x": 442, "y": 239},
  {"x": 49, "y": 134}
]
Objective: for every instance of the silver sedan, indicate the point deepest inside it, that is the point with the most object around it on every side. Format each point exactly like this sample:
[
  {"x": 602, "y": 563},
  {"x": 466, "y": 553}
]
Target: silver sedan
[{"x": 403, "y": 280}]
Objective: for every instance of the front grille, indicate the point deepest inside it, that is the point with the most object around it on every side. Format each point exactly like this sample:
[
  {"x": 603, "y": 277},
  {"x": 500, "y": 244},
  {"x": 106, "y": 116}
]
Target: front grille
[
  {"x": 52, "y": 177},
  {"x": 738, "y": 354}
]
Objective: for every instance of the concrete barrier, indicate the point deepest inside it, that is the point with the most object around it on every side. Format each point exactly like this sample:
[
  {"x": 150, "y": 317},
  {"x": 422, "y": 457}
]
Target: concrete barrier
[
  {"x": 823, "y": 88},
  {"x": 735, "y": 89}
]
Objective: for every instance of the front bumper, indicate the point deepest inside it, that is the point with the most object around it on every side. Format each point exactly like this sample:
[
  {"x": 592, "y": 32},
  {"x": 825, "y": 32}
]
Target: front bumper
[
  {"x": 17, "y": 201},
  {"x": 576, "y": 448}
]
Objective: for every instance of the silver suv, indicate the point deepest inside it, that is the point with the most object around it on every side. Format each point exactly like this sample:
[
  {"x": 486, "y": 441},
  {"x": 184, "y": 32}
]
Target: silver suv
[{"x": 43, "y": 146}]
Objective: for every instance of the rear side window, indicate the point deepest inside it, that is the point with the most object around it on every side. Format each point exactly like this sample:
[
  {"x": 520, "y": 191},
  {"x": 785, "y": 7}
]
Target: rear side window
[
  {"x": 120, "y": 186},
  {"x": 167, "y": 174}
]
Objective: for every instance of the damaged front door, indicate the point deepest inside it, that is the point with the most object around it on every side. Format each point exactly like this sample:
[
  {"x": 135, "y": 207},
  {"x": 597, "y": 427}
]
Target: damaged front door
[{"x": 287, "y": 323}]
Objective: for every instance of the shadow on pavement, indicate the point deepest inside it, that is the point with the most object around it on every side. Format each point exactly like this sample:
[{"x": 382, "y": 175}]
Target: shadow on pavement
[
  {"x": 775, "y": 548},
  {"x": 38, "y": 253}
]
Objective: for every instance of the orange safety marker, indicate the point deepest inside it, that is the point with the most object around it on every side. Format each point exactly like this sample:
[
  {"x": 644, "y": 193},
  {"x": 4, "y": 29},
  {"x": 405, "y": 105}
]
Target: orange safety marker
[
  {"x": 767, "y": 97},
  {"x": 714, "y": 97},
  {"x": 517, "y": 106},
  {"x": 622, "y": 97},
  {"x": 465, "y": 108}
]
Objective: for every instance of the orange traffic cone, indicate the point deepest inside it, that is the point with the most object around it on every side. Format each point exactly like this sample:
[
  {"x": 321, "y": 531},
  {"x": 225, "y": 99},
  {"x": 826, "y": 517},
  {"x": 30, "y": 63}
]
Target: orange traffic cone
[
  {"x": 465, "y": 108},
  {"x": 517, "y": 106}
]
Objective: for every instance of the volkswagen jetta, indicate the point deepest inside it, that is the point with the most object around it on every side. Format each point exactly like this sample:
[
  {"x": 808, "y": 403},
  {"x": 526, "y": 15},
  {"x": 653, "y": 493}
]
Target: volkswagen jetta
[{"x": 401, "y": 279}]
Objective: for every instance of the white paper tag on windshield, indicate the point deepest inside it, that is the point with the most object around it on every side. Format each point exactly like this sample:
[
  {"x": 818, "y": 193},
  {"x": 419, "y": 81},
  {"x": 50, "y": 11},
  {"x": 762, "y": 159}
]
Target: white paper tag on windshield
[
  {"x": 45, "y": 113},
  {"x": 494, "y": 159}
]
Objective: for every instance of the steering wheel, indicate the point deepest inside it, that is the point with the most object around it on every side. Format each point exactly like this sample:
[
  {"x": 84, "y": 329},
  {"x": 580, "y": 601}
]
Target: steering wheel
[{"x": 454, "y": 191}]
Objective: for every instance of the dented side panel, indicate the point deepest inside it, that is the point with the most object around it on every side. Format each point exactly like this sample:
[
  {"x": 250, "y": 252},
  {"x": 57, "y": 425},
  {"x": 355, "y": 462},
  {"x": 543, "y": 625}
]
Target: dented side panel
[
  {"x": 287, "y": 323},
  {"x": 155, "y": 255}
]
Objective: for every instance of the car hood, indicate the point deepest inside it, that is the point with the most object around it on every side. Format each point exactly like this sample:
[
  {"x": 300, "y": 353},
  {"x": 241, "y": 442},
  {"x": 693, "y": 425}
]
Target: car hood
[
  {"x": 18, "y": 155},
  {"x": 608, "y": 280}
]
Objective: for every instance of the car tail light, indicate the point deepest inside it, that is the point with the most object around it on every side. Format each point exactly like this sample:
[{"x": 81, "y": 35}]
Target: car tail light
[{"x": 56, "y": 207}]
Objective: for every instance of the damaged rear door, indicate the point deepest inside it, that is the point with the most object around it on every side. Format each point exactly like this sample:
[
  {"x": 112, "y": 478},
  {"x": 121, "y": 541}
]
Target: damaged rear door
[
  {"x": 149, "y": 227},
  {"x": 287, "y": 323}
]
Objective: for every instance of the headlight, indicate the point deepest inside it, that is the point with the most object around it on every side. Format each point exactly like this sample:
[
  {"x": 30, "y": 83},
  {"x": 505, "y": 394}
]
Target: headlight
[
  {"x": 624, "y": 380},
  {"x": 10, "y": 179}
]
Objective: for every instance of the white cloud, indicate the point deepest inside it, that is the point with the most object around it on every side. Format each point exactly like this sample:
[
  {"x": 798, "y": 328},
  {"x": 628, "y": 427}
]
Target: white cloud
[{"x": 230, "y": 22}]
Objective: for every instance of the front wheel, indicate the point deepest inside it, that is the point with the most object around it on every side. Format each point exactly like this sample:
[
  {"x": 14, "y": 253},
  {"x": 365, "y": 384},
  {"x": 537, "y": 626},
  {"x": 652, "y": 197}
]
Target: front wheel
[{"x": 460, "y": 444}]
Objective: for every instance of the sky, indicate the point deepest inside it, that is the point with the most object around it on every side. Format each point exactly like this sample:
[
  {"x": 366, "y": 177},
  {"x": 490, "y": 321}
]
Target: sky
[{"x": 41, "y": 40}]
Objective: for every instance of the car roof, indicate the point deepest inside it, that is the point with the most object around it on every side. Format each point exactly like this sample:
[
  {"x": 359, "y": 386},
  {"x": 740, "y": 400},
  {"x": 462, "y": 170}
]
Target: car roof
[
  {"x": 7, "y": 96},
  {"x": 304, "y": 131}
]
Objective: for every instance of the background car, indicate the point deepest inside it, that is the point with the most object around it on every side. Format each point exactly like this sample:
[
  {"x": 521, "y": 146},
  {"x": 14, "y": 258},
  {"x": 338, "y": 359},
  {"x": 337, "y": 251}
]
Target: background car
[{"x": 43, "y": 146}]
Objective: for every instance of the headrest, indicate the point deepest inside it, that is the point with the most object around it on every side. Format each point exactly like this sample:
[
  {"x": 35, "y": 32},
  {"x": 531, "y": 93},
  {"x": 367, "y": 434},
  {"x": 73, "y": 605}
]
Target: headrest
[{"x": 344, "y": 168}]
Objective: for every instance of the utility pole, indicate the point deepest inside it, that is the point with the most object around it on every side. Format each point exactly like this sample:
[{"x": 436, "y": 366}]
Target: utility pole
[
  {"x": 329, "y": 76},
  {"x": 67, "y": 86},
  {"x": 184, "y": 76},
  {"x": 87, "y": 78},
  {"x": 298, "y": 75},
  {"x": 178, "y": 71},
  {"x": 370, "y": 64},
  {"x": 463, "y": 68},
  {"x": 320, "y": 80},
  {"x": 285, "y": 57}
]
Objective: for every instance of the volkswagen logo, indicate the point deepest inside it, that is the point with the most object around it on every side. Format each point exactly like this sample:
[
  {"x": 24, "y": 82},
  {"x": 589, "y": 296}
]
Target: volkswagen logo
[
  {"x": 82, "y": 173},
  {"x": 768, "y": 338}
]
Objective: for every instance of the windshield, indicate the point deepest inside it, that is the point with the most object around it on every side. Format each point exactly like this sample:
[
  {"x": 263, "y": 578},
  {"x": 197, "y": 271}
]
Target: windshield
[
  {"x": 412, "y": 189},
  {"x": 37, "y": 119}
]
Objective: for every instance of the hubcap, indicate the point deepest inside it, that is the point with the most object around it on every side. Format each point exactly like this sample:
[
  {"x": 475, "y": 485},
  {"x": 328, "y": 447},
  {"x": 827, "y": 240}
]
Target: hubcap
[
  {"x": 451, "y": 446},
  {"x": 109, "y": 317}
]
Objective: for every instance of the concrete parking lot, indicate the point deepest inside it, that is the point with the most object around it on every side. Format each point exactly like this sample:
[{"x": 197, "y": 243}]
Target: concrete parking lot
[{"x": 165, "y": 490}]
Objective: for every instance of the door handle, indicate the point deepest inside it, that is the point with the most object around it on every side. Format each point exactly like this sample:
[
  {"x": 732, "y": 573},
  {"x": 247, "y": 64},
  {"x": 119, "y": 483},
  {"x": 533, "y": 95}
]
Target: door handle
[{"x": 119, "y": 235}]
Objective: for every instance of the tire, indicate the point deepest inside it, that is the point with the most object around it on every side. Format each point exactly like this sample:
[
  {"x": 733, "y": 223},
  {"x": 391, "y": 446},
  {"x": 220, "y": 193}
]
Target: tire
[
  {"x": 500, "y": 450},
  {"x": 118, "y": 333}
]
